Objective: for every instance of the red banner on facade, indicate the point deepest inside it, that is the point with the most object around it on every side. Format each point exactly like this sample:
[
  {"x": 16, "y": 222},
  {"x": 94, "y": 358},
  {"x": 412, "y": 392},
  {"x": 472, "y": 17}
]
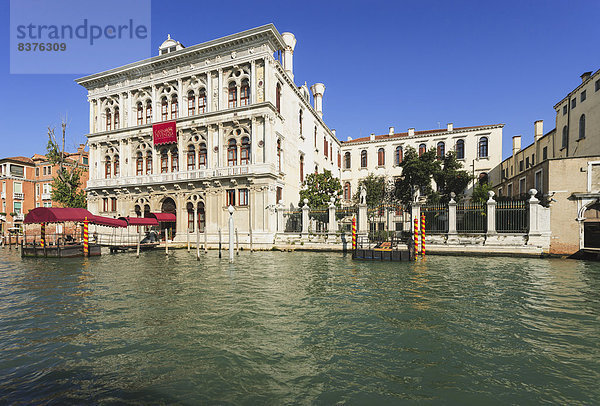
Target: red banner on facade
[{"x": 164, "y": 133}]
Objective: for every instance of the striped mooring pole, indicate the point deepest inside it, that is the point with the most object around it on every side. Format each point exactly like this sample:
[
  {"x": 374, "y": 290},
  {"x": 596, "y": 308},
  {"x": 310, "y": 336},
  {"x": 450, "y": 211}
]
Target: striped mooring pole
[
  {"x": 43, "y": 235},
  {"x": 416, "y": 237},
  {"x": 353, "y": 233},
  {"x": 86, "y": 245},
  {"x": 423, "y": 234}
]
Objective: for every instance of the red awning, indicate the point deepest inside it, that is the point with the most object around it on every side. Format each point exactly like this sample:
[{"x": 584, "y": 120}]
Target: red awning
[
  {"x": 109, "y": 221},
  {"x": 57, "y": 215},
  {"x": 164, "y": 217},
  {"x": 140, "y": 221}
]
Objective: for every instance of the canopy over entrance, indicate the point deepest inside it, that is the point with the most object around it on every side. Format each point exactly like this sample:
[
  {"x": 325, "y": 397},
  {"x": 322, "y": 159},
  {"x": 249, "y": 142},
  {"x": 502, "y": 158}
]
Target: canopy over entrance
[
  {"x": 140, "y": 221},
  {"x": 164, "y": 217}
]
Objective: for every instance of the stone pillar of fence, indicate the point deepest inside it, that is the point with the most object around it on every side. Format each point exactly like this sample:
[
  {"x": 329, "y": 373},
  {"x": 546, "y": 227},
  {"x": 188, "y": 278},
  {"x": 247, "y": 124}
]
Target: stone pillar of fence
[
  {"x": 452, "y": 215},
  {"x": 332, "y": 224},
  {"x": 280, "y": 219},
  {"x": 533, "y": 212},
  {"x": 305, "y": 218},
  {"x": 363, "y": 225},
  {"x": 539, "y": 223},
  {"x": 491, "y": 214}
]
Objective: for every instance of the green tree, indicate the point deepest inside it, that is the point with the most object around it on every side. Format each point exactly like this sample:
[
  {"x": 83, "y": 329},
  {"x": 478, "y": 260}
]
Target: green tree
[
  {"x": 375, "y": 187},
  {"x": 66, "y": 185},
  {"x": 417, "y": 172},
  {"x": 450, "y": 178},
  {"x": 480, "y": 192},
  {"x": 318, "y": 188}
]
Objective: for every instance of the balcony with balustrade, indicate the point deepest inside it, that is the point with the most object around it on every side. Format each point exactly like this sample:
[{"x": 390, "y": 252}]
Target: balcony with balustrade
[
  {"x": 46, "y": 196},
  {"x": 18, "y": 196},
  {"x": 225, "y": 172}
]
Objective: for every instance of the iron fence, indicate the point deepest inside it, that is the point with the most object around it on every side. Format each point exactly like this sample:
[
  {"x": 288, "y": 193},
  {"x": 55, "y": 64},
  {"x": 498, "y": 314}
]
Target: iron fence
[
  {"x": 319, "y": 221},
  {"x": 471, "y": 218},
  {"x": 292, "y": 220},
  {"x": 512, "y": 217},
  {"x": 344, "y": 216},
  {"x": 436, "y": 218}
]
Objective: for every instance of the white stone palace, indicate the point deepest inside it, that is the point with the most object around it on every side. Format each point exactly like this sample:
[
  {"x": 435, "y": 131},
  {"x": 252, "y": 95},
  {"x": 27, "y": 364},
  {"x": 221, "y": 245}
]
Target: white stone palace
[{"x": 196, "y": 129}]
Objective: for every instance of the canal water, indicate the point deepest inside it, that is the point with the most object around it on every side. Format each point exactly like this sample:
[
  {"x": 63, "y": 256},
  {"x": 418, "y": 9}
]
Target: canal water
[{"x": 298, "y": 328}]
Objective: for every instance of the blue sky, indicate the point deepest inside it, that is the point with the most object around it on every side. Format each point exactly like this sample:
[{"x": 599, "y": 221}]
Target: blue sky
[{"x": 406, "y": 64}]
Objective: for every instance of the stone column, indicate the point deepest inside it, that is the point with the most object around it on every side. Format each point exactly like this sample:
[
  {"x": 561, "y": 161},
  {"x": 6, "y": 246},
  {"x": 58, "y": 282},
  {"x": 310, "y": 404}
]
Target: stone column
[
  {"x": 131, "y": 115},
  {"x": 363, "y": 225},
  {"x": 452, "y": 215},
  {"x": 155, "y": 105},
  {"x": 332, "y": 226},
  {"x": 122, "y": 110},
  {"x": 491, "y": 214},
  {"x": 533, "y": 212},
  {"x": 180, "y": 99},
  {"x": 208, "y": 91},
  {"x": 305, "y": 218},
  {"x": 253, "y": 82},
  {"x": 280, "y": 219},
  {"x": 220, "y": 89},
  {"x": 91, "y": 101}
]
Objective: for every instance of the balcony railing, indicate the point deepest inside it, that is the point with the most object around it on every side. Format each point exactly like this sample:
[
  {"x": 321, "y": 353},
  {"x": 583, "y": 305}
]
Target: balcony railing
[
  {"x": 2, "y": 195},
  {"x": 46, "y": 196},
  {"x": 19, "y": 217},
  {"x": 18, "y": 196},
  {"x": 2, "y": 217},
  {"x": 182, "y": 176}
]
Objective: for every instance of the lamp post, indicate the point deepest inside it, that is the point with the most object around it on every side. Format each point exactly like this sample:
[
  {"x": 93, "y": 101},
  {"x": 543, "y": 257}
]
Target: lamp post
[{"x": 231, "y": 210}]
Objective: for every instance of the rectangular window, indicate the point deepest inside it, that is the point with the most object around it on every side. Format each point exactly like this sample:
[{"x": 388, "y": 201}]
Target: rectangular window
[
  {"x": 545, "y": 153},
  {"x": 279, "y": 196},
  {"x": 573, "y": 103},
  {"x": 47, "y": 204},
  {"x": 564, "y": 109},
  {"x": 17, "y": 170},
  {"x": 520, "y": 166},
  {"x": 18, "y": 207},
  {"x": 538, "y": 181},
  {"x": 499, "y": 191},
  {"x": 509, "y": 190},
  {"x": 105, "y": 204},
  {"x": 37, "y": 190},
  {"x": 583, "y": 96},
  {"x": 522, "y": 186},
  {"x": 37, "y": 171},
  {"x": 85, "y": 160},
  {"x": 526, "y": 163},
  {"x": 230, "y": 197},
  {"x": 17, "y": 187},
  {"x": 532, "y": 159},
  {"x": 243, "y": 197},
  {"x": 598, "y": 85},
  {"x": 113, "y": 204}
]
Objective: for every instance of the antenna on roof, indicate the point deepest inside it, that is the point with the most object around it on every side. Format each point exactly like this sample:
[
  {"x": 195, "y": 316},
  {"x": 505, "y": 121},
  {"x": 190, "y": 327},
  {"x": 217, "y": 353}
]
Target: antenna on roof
[{"x": 439, "y": 125}]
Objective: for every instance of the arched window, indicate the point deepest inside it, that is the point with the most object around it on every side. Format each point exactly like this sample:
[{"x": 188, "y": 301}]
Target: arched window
[
  {"x": 441, "y": 150},
  {"x": 460, "y": 149},
  {"x": 339, "y": 159},
  {"x": 316, "y": 169},
  {"x": 278, "y": 97},
  {"x": 116, "y": 166},
  {"x": 347, "y": 160},
  {"x": 107, "y": 167},
  {"x": 202, "y": 156},
  {"x": 232, "y": 153},
  {"x": 582, "y": 126},
  {"x": 232, "y": 95},
  {"x": 279, "y": 155},
  {"x": 164, "y": 161},
  {"x": 300, "y": 123},
  {"x": 116, "y": 118},
  {"x": 315, "y": 137},
  {"x": 148, "y": 162},
  {"x": 174, "y": 106},
  {"x": 201, "y": 101},
  {"x": 191, "y": 104},
  {"x": 245, "y": 151},
  {"x": 174, "y": 160},
  {"x": 398, "y": 156},
  {"x": 422, "y": 149},
  {"x": 164, "y": 109},
  {"x": 245, "y": 93},
  {"x": 108, "y": 120},
  {"x": 483, "y": 147},
  {"x": 565, "y": 137},
  {"x": 363, "y": 158},
  {"x": 148, "y": 112},
  {"x": 139, "y": 164},
  {"x": 483, "y": 178},
  {"x": 140, "y": 114},
  {"x": 190, "y": 213},
  {"x": 347, "y": 191},
  {"x": 301, "y": 168},
  {"x": 380, "y": 157},
  {"x": 191, "y": 158}
]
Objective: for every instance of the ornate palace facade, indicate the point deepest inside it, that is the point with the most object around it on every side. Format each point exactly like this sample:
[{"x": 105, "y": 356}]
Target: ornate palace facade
[{"x": 195, "y": 129}]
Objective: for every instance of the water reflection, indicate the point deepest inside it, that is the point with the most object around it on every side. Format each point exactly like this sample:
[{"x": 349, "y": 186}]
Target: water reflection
[{"x": 297, "y": 328}]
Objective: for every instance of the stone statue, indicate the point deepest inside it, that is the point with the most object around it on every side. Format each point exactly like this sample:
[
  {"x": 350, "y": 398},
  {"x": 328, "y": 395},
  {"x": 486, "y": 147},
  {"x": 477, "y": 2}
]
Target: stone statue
[{"x": 363, "y": 195}]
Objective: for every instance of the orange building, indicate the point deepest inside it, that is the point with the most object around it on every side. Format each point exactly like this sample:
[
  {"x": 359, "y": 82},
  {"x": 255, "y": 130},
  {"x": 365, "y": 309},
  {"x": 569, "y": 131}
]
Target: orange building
[{"x": 26, "y": 183}]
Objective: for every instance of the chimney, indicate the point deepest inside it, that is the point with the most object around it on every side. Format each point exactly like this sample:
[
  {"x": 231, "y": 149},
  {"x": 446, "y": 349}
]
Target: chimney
[
  {"x": 349, "y": 138},
  {"x": 334, "y": 133},
  {"x": 288, "y": 53},
  {"x": 81, "y": 148},
  {"x": 538, "y": 129},
  {"x": 391, "y": 131},
  {"x": 585, "y": 76},
  {"x": 516, "y": 144},
  {"x": 317, "y": 90},
  {"x": 411, "y": 132},
  {"x": 372, "y": 137},
  {"x": 450, "y": 127}
]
